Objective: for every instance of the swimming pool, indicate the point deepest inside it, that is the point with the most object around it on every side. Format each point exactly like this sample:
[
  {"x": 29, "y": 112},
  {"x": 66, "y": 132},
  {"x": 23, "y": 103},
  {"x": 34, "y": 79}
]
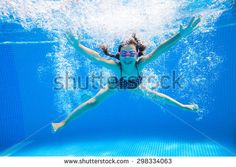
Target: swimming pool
[{"x": 33, "y": 52}]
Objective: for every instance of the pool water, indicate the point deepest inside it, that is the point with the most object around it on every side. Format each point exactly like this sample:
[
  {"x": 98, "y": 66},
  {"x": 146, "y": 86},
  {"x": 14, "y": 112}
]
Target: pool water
[{"x": 33, "y": 52}]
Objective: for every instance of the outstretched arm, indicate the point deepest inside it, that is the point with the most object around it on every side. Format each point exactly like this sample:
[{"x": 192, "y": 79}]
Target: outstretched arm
[
  {"x": 171, "y": 42},
  {"x": 89, "y": 53}
]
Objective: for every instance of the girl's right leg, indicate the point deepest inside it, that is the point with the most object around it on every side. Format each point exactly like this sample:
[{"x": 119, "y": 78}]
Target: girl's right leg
[{"x": 86, "y": 106}]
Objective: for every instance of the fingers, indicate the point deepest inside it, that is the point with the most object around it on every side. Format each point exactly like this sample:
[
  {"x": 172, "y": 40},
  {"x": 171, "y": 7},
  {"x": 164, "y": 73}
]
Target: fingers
[
  {"x": 193, "y": 25},
  {"x": 195, "y": 28},
  {"x": 71, "y": 39},
  {"x": 191, "y": 22},
  {"x": 196, "y": 22},
  {"x": 68, "y": 36},
  {"x": 181, "y": 28}
]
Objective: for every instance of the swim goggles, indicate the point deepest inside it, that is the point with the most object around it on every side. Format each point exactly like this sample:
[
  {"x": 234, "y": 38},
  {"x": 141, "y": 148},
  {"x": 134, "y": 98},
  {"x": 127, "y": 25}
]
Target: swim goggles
[{"x": 124, "y": 53}]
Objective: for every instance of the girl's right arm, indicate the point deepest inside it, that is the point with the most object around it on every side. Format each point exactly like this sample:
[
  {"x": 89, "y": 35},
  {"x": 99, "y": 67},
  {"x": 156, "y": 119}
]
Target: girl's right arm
[{"x": 89, "y": 53}]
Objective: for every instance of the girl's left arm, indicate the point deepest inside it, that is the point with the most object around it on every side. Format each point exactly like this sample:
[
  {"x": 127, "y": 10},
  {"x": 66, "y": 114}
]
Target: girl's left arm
[{"x": 171, "y": 42}]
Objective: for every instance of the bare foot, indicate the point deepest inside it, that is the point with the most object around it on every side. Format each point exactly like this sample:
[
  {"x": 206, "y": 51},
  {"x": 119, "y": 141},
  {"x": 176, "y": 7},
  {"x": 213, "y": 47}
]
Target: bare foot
[
  {"x": 192, "y": 107},
  {"x": 57, "y": 126}
]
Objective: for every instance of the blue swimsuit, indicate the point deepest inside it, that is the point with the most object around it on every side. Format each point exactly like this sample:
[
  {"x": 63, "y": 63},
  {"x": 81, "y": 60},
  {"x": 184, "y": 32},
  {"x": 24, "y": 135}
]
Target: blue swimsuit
[{"x": 131, "y": 82}]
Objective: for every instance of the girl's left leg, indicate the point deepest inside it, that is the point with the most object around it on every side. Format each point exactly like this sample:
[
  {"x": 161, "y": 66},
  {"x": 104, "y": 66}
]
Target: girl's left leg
[{"x": 165, "y": 98}]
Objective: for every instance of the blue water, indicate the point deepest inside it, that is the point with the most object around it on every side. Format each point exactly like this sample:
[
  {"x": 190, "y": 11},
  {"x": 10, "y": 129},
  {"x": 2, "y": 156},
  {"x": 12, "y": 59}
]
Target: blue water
[{"x": 124, "y": 125}]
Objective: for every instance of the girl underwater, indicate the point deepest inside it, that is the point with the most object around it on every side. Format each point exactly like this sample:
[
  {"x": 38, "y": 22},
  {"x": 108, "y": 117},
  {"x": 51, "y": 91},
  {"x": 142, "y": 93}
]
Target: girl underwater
[{"x": 131, "y": 61}]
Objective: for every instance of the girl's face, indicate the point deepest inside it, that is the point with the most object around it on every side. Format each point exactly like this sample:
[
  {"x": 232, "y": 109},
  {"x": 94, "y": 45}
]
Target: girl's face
[{"x": 128, "y": 54}]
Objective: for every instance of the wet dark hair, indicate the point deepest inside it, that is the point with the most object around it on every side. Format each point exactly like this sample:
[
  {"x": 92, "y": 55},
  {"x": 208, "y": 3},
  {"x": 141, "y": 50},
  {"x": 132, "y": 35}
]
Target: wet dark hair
[{"x": 140, "y": 48}]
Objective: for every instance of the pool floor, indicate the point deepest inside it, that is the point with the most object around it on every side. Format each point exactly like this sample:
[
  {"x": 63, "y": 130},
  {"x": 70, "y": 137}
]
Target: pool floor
[{"x": 120, "y": 147}]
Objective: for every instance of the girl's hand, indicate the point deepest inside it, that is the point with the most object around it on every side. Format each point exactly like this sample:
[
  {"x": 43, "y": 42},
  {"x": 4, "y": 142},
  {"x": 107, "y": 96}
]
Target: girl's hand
[
  {"x": 72, "y": 40},
  {"x": 190, "y": 28}
]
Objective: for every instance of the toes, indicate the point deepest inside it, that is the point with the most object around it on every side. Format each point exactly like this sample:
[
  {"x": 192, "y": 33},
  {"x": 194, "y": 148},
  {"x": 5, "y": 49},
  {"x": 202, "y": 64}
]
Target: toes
[
  {"x": 192, "y": 107},
  {"x": 196, "y": 107},
  {"x": 54, "y": 127}
]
